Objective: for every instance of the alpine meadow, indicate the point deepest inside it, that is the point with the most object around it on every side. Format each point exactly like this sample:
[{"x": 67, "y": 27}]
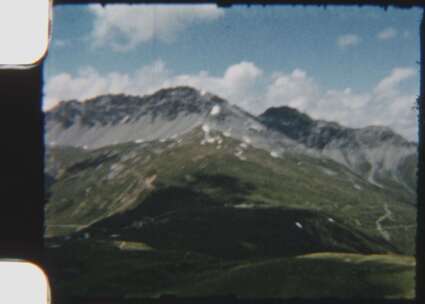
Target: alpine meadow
[{"x": 261, "y": 152}]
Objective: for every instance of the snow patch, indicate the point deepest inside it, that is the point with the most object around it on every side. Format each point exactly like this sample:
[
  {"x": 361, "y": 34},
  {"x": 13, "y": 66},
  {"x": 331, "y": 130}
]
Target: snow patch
[
  {"x": 227, "y": 133},
  {"x": 139, "y": 141},
  {"x": 239, "y": 154},
  {"x": 357, "y": 187},
  {"x": 215, "y": 110},
  {"x": 328, "y": 171},
  {"x": 206, "y": 128},
  {"x": 246, "y": 139},
  {"x": 331, "y": 220},
  {"x": 243, "y": 145},
  {"x": 208, "y": 138},
  {"x": 244, "y": 206},
  {"x": 298, "y": 224},
  {"x": 256, "y": 127},
  {"x": 274, "y": 154},
  {"x": 125, "y": 119}
]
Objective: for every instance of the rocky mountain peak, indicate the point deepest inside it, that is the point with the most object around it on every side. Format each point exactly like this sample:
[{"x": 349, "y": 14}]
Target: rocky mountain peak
[
  {"x": 320, "y": 133},
  {"x": 112, "y": 109},
  {"x": 285, "y": 113},
  {"x": 171, "y": 102},
  {"x": 287, "y": 120}
]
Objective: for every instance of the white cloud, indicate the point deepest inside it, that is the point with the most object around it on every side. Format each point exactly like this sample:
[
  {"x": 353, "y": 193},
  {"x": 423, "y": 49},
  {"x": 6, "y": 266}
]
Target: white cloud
[
  {"x": 123, "y": 27},
  {"x": 387, "y": 87},
  {"x": 87, "y": 83},
  {"x": 388, "y": 33},
  {"x": 238, "y": 83},
  {"x": 295, "y": 89},
  {"x": 348, "y": 40},
  {"x": 246, "y": 85}
]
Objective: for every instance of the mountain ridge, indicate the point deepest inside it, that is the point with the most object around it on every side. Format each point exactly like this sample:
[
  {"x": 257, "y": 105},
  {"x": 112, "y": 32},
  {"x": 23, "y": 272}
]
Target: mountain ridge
[
  {"x": 377, "y": 153},
  {"x": 103, "y": 100}
]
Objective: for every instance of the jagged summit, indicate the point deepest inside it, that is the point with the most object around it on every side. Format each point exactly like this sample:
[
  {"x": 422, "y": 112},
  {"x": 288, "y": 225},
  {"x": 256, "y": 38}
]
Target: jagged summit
[
  {"x": 169, "y": 112},
  {"x": 184, "y": 94},
  {"x": 112, "y": 109}
]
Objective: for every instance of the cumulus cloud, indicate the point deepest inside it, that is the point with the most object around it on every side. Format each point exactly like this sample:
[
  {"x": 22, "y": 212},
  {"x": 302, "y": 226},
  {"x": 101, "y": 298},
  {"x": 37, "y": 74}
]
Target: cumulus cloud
[
  {"x": 387, "y": 34},
  {"x": 387, "y": 87},
  {"x": 348, "y": 40},
  {"x": 247, "y": 86},
  {"x": 238, "y": 83},
  {"x": 124, "y": 27},
  {"x": 294, "y": 89}
]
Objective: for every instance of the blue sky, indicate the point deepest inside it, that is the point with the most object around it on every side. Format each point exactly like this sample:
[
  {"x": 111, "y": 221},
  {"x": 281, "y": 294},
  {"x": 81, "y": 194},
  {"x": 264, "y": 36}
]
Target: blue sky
[{"x": 357, "y": 66}]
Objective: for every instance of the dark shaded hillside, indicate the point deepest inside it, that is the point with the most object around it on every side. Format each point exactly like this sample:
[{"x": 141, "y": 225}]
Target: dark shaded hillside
[
  {"x": 233, "y": 233},
  {"x": 131, "y": 270}
]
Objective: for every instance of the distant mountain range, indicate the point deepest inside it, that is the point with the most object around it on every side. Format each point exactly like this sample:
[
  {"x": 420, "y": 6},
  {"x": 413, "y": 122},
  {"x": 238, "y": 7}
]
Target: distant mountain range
[
  {"x": 200, "y": 195},
  {"x": 376, "y": 153}
]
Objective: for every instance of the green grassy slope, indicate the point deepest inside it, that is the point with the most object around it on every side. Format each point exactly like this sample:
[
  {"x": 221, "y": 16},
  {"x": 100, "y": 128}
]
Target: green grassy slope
[
  {"x": 321, "y": 275},
  {"x": 97, "y": 184},
  {"x": 191, "y": 219}
]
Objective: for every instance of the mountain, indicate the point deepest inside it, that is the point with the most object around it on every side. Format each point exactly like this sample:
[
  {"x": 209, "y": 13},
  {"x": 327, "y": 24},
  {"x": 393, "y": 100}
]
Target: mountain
[
  {"x": 182, "y": 192},
  {"x": 375, "y": 152},
  {"x": 168, "y": 113}
]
